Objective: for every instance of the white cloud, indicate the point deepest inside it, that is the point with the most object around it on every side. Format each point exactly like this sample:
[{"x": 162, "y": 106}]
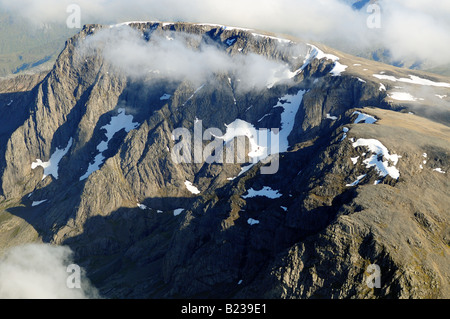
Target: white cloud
[
  {"x": 413, "y": 29},
  {"x": 179, "y": 56},
  {"x": 417, "y": 29},
  {"x": 39, "y": 271}
]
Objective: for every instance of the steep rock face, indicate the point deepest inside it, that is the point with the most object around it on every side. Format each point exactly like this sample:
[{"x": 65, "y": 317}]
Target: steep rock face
[
  {"x": 402, "y": 229},
  {"x": 315, "y": 238}
]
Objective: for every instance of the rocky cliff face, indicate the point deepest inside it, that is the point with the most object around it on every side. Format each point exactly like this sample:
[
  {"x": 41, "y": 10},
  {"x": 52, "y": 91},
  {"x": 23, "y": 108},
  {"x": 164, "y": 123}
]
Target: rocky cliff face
[{"x": 86, "y": 161}]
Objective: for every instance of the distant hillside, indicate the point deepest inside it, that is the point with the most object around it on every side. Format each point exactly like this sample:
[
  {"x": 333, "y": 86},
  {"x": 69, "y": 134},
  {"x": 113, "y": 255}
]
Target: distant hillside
[{"x": 23, "y": 46}]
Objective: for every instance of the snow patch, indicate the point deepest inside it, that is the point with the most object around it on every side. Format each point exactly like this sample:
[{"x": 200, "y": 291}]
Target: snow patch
[
  {"x": 142, "y": 206},
  {"x": 281, "y": 40},
  {"x": 358, "y": 179},
  {"x": 223, "y": 26},
  {"x": 266, "y": 191},
  {"x": 354, "y": 159},
  {"x": 316, "y": 53},
  {"x": 290, "y": 104},
  {"x": 330, "y": 117},
  {"x": 344, "y": 136},
  {"x": 402, "y": 96},
  {"x": 191, "y": 188},
  {"x": 177, "y": 211},
  {"x": 252, "y": 221},
  {"x": 119, "y": 122},
  {"x": 36, "y": 203},
  {"x": 117, "y": 25},
  {"x": 51, "y": 167},
  {"x": 379, "y": 152},
  {"x": 439, "y": 170},
  {"x": 263, "y": 117},
  {"x": 366, "y": 118},
  {"x": 338, "y": 69},
  {"x": 242, "y": 128},
  {"x": 230, "y": 42},
  {"x": 412, "y": 80},
  {"x": 193, "y": 94},
  {"x": 245, "y": 169},
  {"x": 361, "y": 80},
  {"x": 165, "y": 97}
]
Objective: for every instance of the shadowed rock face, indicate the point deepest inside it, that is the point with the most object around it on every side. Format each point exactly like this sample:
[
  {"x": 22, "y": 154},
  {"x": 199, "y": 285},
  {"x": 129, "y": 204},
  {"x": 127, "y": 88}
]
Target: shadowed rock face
[{"x": 315, "y": 240}]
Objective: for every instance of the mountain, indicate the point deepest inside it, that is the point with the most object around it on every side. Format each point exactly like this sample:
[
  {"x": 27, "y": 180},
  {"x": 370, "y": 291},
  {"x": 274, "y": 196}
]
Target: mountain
[{"x": 361, "y": 178}]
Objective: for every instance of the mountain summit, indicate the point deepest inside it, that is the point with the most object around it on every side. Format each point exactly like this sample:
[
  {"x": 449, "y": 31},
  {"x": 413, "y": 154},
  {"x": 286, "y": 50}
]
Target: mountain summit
[{"x": 129, "y": 151}]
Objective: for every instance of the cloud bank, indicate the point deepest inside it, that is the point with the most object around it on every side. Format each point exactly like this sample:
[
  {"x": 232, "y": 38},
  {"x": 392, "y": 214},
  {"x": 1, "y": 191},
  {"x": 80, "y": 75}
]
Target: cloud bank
[
  {"x": 179, "y": 56},
  {"x": 39, "y": 271},
  {"x": 414, "y": 29}
]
